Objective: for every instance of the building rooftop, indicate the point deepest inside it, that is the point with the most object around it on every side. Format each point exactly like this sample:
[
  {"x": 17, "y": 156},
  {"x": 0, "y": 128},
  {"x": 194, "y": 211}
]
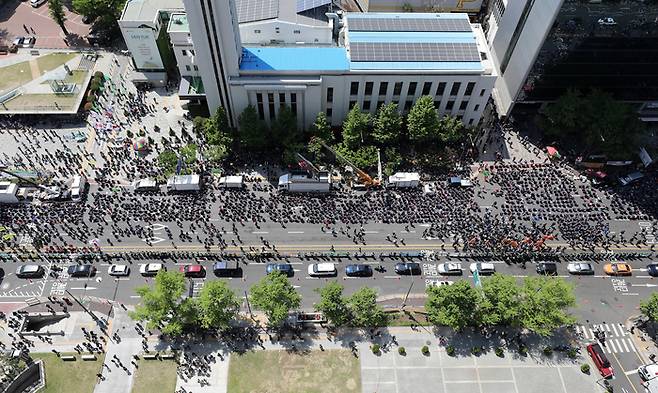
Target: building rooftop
[
  {"x": 285, "y": 10},
  {"x": 411, "y": 41},
  {"x": 301, "y": 58},
  {"x": 147, "y": 10},
  {"x": 178, "y": 23}
]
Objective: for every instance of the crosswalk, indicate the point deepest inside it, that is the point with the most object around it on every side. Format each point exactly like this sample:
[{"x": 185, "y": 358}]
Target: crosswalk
[{"x": 617, "y": 338}]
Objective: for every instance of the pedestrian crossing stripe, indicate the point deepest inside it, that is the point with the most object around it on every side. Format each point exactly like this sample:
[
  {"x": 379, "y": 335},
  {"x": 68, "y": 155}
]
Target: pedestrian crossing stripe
[{"x": 617, "y": 338}]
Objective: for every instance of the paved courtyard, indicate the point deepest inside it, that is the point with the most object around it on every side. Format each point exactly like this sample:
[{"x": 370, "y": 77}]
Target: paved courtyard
[{"x": 487, "y": 373}]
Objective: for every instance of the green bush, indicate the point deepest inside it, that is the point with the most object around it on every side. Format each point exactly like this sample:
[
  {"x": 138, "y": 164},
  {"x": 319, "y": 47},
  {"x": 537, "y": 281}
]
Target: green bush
[
  {"x": 91, "y": 98},
  {"x": 523, "y": 350},
  {"x": 571, "y": 353},
  {"x": 402, "y": 351},
  {"x": 548, "y": 351},
  {"x": 584, "y": 368},
  {"x": 476, "y": 350},
  {"x": 98, "y": 75},
  {"x": 499, "y": 352},
  {"x": 88, "y": 106},
  {"x": 375, "y": 349},
  {"x": 450, "y": 350},
  {"x": 425, "y": 350}
]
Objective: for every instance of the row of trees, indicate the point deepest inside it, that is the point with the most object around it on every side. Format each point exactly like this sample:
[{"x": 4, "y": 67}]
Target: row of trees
[
  {"x": 540, "y": 304},
  {"x": 649, "y": 307},
  {"x": 594, "y": 123}
]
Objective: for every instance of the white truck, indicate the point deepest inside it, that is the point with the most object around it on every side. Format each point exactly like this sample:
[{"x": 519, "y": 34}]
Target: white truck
[
  {"x": 231, "y": 181},
  {"x": 184, "y": 183},
  {"x": 404, "y": 180},
  {"x": 297, "y": 182},
  {"x": 78, "y": 187}
]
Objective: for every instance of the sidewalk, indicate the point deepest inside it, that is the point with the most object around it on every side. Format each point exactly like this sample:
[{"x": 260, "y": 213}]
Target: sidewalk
[{"x": 643, "y": 343}]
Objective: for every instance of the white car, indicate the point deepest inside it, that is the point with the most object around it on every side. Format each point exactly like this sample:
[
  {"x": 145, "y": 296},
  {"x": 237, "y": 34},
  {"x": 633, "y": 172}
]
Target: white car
[
  {"x": 483, "y": 267},
  {"x": 119, "y": 270},
  {"x": 450, "y": 268},
  {"x": 150, "y": 269},
  {"x": 607, "y": 21},
  {"x": 322, "y": 269},
  {"x": 580, "y": 268},
  {"x": 648, "y": 372}
]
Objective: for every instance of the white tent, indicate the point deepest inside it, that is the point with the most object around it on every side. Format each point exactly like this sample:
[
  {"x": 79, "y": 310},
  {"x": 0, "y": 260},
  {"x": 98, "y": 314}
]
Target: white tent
[{"x": 231, "y": 181}]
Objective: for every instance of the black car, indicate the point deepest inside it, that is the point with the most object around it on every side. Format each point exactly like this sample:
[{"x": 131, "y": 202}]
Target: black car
[
  {"x": 547, "y": 268},
  {"x": 81, "y": 270},
  {"x": 652, "y": 269},
  {"x": 284, "y": 268},
  {"x": 408, "y": 268},
  {"x": 358, "y": 271}
]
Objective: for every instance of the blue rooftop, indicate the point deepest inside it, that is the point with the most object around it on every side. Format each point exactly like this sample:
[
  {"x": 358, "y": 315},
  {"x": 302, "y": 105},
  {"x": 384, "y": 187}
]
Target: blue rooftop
[
  {"x": 407, "y": 15},
  {"x": 276, "y": 58}
]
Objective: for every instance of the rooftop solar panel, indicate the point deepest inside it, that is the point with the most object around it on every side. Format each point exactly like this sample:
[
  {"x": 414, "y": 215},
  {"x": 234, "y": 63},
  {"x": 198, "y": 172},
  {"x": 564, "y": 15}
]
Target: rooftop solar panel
[
  {"x": 254, "y": 10},
  {"x": 303, "y": 5},
  {"x": 413, "y": 52},
  {"x": 408, "y": 24}
]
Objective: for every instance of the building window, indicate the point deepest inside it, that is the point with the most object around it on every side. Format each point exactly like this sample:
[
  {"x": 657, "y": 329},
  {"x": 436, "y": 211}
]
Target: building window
[
  {"x": 293, "y": 97},
  {"x": 407, "y": 105},
  {"x": 277, "y": 30},
  {"x": 297, "y": 32},
  {"x": 463, "y": 105},
  {"x": 482, "y": 92},
  {"x": 257, "y": 31},
  {"x": 330, "y": 94},
  {"x": 382, "y": 88},
  {"x": 366, "y": 105},
  {"x": 397, "y": 90},
  {"x": 476, "y": 108},
  {"x": 469, "y": 88},
  {"x": 259, "y": 97},
  {"x": 426, "y": 88},
  {"x": 329, "y": 112},
  {"x": 191, "y": 52},
  {"x": 441, "y": 89},
  {"x": 272, "y": 113},
  {"x": 183, "y": 52},
  {"x": 450, "y": 105},
  {"x": 270, "y": 97},
  {"x": 470, "y": 122},
  {"x": 412, "y": 88},
  {"x": 282, "y": 98},
  {"x": 196, "y": 68},
  {"x": 455, "y": 88},
  {"x": 352, "y": 104},
  {"x": 261, "y": 112},
  {"x": 293, "y": 108},
  {"x": 354, "y": 88},
  {"x": 369, "y": 88},
  {"x": 187, "y": 67},
  {"x": 437, "y": 104}
]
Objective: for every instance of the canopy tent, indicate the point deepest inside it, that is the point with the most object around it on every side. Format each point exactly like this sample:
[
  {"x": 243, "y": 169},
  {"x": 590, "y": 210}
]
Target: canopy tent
[
  {"x": 552, "y": 152},
  {"x": 141, "y": 144}
]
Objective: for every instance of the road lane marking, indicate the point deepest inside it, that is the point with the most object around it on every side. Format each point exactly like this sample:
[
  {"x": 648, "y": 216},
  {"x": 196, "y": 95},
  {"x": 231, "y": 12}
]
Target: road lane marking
[
  {"x": 260, "y": 232},
  {"x": 370, "y": 231},
  {"x": 614, "y": 328},
  {"x": 295, "y": 232},
  {"x": 625, "y": 346}
]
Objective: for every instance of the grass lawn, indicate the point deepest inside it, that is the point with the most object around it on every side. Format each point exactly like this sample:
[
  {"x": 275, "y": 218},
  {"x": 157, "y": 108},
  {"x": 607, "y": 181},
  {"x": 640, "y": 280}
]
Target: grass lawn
[
  {"x": 69, "y": 377},
  {"x": 330, "y": 371},
  {"x": 53, "y": 60},
  {"x": 155, "y": 376},
  {"x": 43, "y": 101},
  {"x": 15, "y": 75}
]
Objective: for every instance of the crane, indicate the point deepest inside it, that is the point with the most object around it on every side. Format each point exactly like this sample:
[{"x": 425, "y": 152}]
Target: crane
[
  {"x": 4, "y": 169},
  {"x": 364, "y": 178}
]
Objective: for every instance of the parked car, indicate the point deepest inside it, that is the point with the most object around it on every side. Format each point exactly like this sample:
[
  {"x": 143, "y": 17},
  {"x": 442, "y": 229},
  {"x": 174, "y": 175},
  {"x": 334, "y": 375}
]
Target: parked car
[
  {"x": 618, "y": 269},
  {"x": 450, "y": 269},
  {"x": 483, "y": 268},
  {"x": 284, "y": 268},
  {"x": 36, "y": 3},
  {"x": 29, "y": 42},
  {"x": 151, "y": 269},
  {"x": 630, "y": 178},
  {"x": 582, "y": 268},
  {"x": 358, "y": 270},
  {"x": 18, "y": 42},
  {"x": 607, "y": 21},
  {"x": 600, "y": 360},
  {"x": 81, "y": 270},
  {"x": 547, "y": 268},
  {"x": 119, "y": 270},
  {"x": 322, "y": 269},
  {"x": 227, "y": 269},
  {"x": 195, "y": 270},
  {"x": 648, "y": 372},
  {"x": 30, "y": 271},
  {"x": 652, "y": 269},
  {"x": 408, "y": 268}
]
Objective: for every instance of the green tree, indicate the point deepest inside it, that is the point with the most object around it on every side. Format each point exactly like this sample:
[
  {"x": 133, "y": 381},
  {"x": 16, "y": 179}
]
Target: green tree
[
  {"x": 544, "y": 304},
  {"x": 216, "y": 129},
  {"x": 253, "y": 133},
  {"x": 452, "y": 305},
  {"x": 423, "y": 122},
  {"x": 364, "y": 157},
  {"x": 168, "y": 161},
  {"x": 332, "y": 304},
  {"x": 451, "y": 129},
  {"x": 649, "y": 307},
  {"x": 161, "y": 304},
  {"x": 188, "y": 153},
  {"x": 216, "y": 153},
  {"x": 355, "y": 128},
  {"x": 564, "y": 116},
  {"x": 275, "y": 296},
  {"x": 217, "y": 305},
  {"x": 322, "y": 129},
  {"x": 501, "y": 305},
  {"x": 99, "y": 8},
  {"x": 284, "y": 128},
  {"x": 364, "y": 310},
  {"x": 393, "y": 160},
  {"x": 56, "y": 10},
  {"x": 387, "y": 125}
]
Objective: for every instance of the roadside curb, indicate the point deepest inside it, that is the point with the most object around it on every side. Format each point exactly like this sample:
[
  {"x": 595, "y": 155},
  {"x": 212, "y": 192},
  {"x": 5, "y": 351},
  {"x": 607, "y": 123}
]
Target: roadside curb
[{"x": 643, "y": 346}]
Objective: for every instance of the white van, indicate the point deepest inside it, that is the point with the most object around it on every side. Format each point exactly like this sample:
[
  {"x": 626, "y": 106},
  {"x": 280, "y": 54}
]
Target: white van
[
  {"x": 36, "y": 3},
  {"x": 78, "y": 187}
]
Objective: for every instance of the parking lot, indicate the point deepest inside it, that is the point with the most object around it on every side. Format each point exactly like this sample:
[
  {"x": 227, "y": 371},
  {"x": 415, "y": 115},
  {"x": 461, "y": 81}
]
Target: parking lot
[{"x": 18, "y": 18}]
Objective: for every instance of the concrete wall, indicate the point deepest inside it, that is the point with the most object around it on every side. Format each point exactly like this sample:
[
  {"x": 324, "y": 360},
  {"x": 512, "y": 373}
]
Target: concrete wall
[{"x": 264, "y": 31}]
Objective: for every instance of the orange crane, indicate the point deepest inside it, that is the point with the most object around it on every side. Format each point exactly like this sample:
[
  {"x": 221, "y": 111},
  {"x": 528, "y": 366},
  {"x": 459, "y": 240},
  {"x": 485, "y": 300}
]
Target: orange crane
[{"x": 364, "y": 178}]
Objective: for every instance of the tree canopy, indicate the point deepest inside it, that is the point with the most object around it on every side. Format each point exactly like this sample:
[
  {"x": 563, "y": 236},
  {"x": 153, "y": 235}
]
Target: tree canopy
[
  {"x": 56, "y": 10},
  {"x": 253, "y": 132},
  {"x": 387, "y": 125},
  {"x": 332, "y": 304},
  {"x": 356, "y": 128},
  {"x": 275, "y": 296},
  {"x": 452, "y": 305},
  {"x": 543, "y": 305},
  {"x": 423, "y": 121},
  {"x": 501, "y": 301},
  {"x": 217, "y": 305},
  {"x": 649, "y": 307},
  {"x": 364, "y": 310},
  {"x": 284, "y": 128}
]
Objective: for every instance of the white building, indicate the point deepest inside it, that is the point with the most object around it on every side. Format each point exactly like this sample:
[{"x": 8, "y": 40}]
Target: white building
[
  {"x": 314, "y": 62},
  {"x": 8, "y": 192}
]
